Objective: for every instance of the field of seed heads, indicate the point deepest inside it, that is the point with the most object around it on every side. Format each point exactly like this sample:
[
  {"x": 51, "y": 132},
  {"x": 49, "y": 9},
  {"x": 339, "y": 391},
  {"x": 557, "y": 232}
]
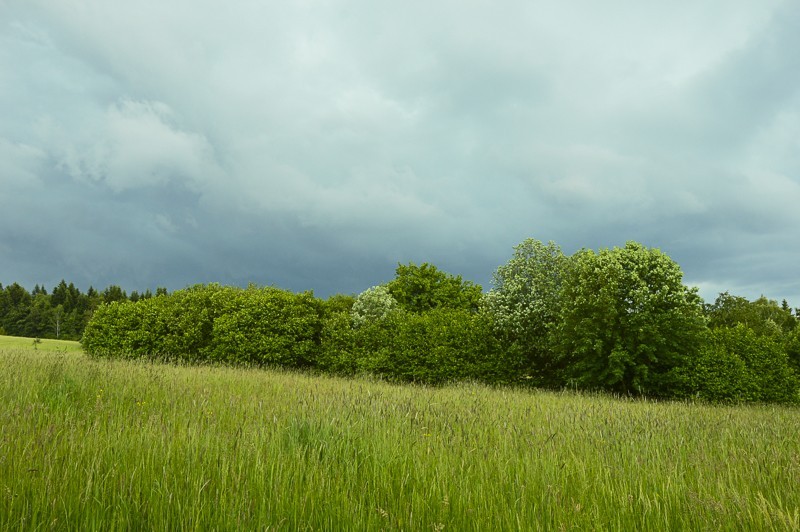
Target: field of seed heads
[{"x": 99, "y": 445}]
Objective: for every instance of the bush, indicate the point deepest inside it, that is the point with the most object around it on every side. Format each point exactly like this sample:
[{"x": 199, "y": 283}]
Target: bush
[
  {"x": 174, "y": 327},
  {"x": 737, "y": 364},
  {"x": 438, "y": 346},
  {"x": 347, "y": 349},
  {"x": 210, "y": 323},
  {"x": 106, "y": 332},
  {"x": 792, "y": 347},
  {"x": 266, "y": 326},
  {"x": 443, "y": 345}
]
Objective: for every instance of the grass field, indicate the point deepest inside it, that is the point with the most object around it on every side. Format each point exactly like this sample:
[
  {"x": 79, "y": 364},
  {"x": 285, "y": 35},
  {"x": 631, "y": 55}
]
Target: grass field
[
  {"x": 113, "y": 445},
  {"x": 16, "y": 342}
]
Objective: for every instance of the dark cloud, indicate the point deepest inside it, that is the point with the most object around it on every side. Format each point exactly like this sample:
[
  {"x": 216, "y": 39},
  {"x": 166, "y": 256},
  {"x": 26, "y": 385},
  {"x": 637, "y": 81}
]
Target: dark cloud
[{"x": 316, "y": 146}]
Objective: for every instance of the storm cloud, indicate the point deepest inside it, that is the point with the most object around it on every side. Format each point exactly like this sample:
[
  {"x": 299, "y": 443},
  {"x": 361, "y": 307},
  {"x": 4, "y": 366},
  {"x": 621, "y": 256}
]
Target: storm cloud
[{"x": 314, "y": 145}]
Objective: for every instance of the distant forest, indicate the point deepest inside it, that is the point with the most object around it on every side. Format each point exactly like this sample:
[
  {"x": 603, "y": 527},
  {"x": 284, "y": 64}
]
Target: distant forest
[{"x": 61, "y": 313}]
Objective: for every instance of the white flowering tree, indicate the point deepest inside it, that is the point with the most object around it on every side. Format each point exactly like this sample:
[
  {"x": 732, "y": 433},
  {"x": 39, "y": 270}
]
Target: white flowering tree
[
  {"x": 525, "y": 303},
  {"x": 371, "y": 305}
]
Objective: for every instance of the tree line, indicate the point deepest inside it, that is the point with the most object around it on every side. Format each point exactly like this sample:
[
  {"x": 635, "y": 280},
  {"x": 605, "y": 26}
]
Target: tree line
[
  {"x": 60, "y": 314},
  {"x": 619, "y": 320}
]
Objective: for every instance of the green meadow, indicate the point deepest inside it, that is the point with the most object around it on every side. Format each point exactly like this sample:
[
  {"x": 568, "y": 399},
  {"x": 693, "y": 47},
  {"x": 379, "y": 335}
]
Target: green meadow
[
  {"x": 37, "y": 344},
  {"x": 91, "y": 444}
]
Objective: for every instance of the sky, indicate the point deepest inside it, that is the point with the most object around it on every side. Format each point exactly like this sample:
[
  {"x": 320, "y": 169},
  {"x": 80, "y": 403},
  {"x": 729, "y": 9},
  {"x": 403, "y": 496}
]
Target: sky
[{"x": 314, "y": 145}]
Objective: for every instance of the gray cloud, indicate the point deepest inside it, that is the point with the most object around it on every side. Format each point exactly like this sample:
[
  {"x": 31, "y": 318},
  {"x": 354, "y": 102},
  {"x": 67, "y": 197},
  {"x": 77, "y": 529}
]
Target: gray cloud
[{"x": 314, "y": 146}]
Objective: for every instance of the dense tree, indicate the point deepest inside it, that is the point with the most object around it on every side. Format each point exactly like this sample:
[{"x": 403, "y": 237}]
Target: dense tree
[
  {"x": 792, "y": 347},
  {"x": 525, "y": 301},
  {"x": 57, "y": 319},
  {"x": 628, "y": 321},
  {"x": 38, "y": 290},
  {"x": 339, "y": 303},
  {"x": 425, "y": 287},
  {"x": 114, "y": 293},
  {"x": 37, "y": 322},
  {"x": 736, "y": 364},
  {"x": 763, "y": 316},
  {"x": 15, "y": 305},
  {"x": 63, "y": 313},
  {"x": 62, "y": 295}
]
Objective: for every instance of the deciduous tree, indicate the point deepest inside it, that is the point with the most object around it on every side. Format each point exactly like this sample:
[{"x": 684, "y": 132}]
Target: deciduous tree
[
  {"x": 628, "y": 321},
  {"x": 425, "y": 287},
  {"x": 525, "y": 301}
]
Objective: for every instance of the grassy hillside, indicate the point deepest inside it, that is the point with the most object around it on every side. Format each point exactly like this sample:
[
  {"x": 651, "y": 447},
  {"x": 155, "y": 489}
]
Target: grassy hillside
[
  {"x": 97, "y": 444},
  {"x": 17, "y": 342}
]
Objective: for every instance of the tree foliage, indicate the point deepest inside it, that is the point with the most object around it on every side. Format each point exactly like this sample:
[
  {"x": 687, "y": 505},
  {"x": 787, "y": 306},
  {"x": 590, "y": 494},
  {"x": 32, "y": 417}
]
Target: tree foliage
[
  {"x": 61, "y": 314},
  {"x": 763, "y": 316},
  {"x": 627, "y": 320},
  {"x": 433, "y": 347},
  {"x": 371, "y": 305},
  {"x": 261, "y": 326},
  {"x": 425, "y": 287},
  {"x": 525, "y": 302},
  {"x": 737, "y": 364},
  {"x": 265, "y": 326}
]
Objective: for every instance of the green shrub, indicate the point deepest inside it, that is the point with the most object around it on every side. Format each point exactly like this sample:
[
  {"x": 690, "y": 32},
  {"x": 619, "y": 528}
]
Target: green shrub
[
  {"x": 266, "y": 326},
  {"x": 106, "y": 332},
  {"x": 738, "y": 365},
  {"x": 434, "y": 347},
  {"x": 444, "y": 345},
  {"x": 792, "y": 348},
  {"x": 210, "y": 323},
  {"x": 347, "y": 349},
  {"x": 174, "y": 327},
  {"x": 338, "y": 303}
]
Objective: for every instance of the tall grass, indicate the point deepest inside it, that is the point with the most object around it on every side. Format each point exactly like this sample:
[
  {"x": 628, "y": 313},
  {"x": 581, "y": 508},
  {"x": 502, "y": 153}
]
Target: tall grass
[{"x": 108, "y": 445}]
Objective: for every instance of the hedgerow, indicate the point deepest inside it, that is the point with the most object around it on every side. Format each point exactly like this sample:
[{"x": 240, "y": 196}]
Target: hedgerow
[
  {"x": 619, "y": 320},
  {"x": 211, "y": 323}
]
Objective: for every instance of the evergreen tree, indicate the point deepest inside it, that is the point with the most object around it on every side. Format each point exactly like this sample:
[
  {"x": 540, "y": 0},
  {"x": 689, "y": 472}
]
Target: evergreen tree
[{"x": 114, "y": 293}]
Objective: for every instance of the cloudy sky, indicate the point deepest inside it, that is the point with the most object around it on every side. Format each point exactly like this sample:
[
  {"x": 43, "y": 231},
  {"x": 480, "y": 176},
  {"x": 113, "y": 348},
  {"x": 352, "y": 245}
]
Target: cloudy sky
[{"x": 314, "y": 144}]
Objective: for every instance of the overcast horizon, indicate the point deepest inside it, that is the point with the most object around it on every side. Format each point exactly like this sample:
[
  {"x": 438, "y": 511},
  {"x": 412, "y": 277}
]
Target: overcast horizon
[{"x": 315, "y": 145}]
